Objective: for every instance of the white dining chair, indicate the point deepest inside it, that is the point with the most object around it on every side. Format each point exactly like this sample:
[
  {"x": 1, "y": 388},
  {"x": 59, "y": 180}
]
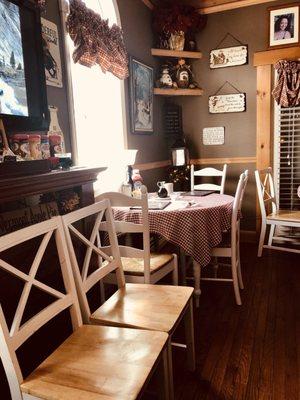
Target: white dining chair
[
  {"x": 230, "y": 246},
  {"x": 94, "y": 361},
  {"x": 134, "y": 305},
  {"x": 270, "y": 212},
  {"x": 209, "y": 172},
  {"x": 140, "y": 265}
]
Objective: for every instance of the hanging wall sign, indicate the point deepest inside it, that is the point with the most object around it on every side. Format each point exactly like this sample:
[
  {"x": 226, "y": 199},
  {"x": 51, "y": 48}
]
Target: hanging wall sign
[
  {"x": 52, "y": 59},
  {"x": 227, "y": 103},
  {"x": 214, "y": 136},
  {"x": 228, "y": 57}
]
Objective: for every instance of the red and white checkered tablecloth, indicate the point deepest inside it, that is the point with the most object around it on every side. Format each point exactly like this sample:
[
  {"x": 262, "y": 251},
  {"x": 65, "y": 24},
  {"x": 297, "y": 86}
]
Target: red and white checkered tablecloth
[{"x": 196, "y": 229}]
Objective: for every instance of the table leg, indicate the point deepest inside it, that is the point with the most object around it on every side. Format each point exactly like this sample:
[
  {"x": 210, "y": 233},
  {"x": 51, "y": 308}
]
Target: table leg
[
  {"x": 182, "y": 259},
  {"x": 197, "y": 277}
]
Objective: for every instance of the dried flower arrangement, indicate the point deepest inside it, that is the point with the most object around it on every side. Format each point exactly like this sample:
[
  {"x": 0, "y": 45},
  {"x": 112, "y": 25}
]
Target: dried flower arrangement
[{"x": 172, "y": 18}]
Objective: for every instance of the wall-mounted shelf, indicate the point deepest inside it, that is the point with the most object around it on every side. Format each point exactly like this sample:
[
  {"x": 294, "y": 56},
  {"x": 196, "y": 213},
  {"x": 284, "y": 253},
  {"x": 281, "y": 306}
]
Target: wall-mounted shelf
[
  {"x": 176, "y": 53},
  {"x": 178, "y": 92}
]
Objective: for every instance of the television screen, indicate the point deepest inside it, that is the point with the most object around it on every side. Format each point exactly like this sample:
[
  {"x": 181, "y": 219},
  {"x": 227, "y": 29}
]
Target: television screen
[
  {"x": 13, "y": 93},
  {"x": 23, "y": 99}
]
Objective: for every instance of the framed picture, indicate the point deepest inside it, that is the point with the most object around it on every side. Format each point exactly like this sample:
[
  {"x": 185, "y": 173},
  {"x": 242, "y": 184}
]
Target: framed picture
[
  {"x": 284, "y": 25},
  {"x": 141, "y": 93},
  {"x": 52, "y": 61}
]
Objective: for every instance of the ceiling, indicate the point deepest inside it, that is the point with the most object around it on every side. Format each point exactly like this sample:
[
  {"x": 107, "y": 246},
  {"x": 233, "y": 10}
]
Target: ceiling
[{"x": 213, "y": 6}]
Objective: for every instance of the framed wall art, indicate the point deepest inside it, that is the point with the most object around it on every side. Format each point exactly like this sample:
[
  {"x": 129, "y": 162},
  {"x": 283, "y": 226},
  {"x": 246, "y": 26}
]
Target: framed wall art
[
  {"x": 284, "y": 25},
  {"x": 52, "y": 60},
  {"x": 141, "y": 97}
]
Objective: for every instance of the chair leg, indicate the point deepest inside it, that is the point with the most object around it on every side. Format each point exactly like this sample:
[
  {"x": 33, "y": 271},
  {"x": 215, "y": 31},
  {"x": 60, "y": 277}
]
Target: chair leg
[
  {"x": 234, "y": 268},
  {"x": 271, "y": 235},
  {"x": 182, "y": 266},
  {"x": 189, "y": 336},
  {"x": 175, "y": 271},
  {"x": 239, "y": 268},
  {"x": 262, "y": 238},
  {"x": 215, "y": 267},
  {"x": 170, "y": 370},
  {"x": 197, "y": 277},
  {"x": 239, "y": 272},
  {"x": 162, "y": 377}
]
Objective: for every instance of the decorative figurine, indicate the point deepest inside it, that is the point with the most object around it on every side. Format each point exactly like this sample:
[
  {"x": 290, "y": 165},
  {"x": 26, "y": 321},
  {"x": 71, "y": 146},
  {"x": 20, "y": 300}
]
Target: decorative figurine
[
  {"x": 165, "y": 80},
  {"x": 184, "y": 75}
]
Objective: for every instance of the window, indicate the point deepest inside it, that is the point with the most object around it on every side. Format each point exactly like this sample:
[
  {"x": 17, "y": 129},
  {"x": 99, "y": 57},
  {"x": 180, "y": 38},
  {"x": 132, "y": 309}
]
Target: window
[
  {"x": 287, "y": 156},
  {"x": 99, "y": 113}
]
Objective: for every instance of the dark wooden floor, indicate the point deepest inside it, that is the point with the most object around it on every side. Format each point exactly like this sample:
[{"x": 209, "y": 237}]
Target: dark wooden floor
[{"x": 253, "y": 351}]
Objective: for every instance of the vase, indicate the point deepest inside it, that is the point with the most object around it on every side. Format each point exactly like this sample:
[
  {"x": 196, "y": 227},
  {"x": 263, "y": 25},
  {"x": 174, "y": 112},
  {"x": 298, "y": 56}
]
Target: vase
[{"x": 176, "y": 41}]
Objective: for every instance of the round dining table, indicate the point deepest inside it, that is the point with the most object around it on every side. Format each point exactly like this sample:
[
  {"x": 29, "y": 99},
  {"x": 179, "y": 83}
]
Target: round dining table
[{"x": 194, "y": 223}]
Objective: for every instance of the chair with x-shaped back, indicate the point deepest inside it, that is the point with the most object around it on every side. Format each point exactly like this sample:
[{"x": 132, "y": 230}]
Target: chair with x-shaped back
[
  {"x": 143, "y": 306},
  {"x": 94, "y": 362}
]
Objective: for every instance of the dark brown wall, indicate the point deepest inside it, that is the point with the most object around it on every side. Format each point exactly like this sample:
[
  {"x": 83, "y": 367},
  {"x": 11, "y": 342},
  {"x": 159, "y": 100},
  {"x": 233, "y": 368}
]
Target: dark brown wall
[
  {"x": 136, "y": 24},
  {"x": 249, "y": 25}
]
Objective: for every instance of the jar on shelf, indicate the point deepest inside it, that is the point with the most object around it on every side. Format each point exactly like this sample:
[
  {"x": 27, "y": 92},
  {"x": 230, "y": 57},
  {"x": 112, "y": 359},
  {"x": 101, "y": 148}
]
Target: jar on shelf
[
  {"x": 20, "y": 145},
  {"x": 45, "y": 147},
  {"x": 35, "y": 146},
  {"x": 55, "y": 144}
]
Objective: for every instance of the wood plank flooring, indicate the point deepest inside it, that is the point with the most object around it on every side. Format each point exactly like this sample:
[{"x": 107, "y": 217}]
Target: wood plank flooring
[{"x": 250, "y": 352}]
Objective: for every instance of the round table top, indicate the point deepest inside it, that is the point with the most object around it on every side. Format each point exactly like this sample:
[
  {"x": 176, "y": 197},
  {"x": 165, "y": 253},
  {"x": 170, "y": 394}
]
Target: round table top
[{"x": 194, "y": 223}]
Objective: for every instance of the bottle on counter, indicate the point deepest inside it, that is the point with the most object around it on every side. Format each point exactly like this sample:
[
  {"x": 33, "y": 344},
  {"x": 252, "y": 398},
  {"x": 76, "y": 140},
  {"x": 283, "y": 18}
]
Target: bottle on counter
[{"x": 55, "y": 129}]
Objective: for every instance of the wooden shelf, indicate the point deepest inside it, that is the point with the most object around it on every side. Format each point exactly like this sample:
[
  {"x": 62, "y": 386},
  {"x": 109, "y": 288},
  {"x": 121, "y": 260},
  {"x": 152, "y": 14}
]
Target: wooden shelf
[
  {"x": 178, "y": 92},
  {"x": 176, "y": 53}
]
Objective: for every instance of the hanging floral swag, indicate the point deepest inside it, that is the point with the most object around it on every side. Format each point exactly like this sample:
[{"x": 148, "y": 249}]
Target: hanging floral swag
[
  {"x": 95, "y": 41},
  {"x": 287, "y": 88}
]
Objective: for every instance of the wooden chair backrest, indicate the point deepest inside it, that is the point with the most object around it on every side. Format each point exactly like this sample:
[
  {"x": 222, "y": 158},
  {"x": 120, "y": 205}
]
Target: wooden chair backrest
[
  {"x": 121, "y": 200},
  {"x": 209, "y": 172},
  {"x": 266, "y": 191},
  {"x": 108, "y": 255},
  {"x": 11, "y": 339},
  {"x": 237, "y": 207}
]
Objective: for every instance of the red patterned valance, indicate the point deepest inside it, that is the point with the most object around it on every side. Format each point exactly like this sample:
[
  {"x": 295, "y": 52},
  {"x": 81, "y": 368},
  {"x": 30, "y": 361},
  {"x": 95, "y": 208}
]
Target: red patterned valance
[
  {"x": 287, "y": 89},
  {"x": 96, "y": 42}
]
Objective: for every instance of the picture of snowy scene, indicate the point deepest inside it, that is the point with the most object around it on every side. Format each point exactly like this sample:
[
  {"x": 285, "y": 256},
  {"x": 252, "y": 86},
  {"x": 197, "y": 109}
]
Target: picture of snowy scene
[{"x": 13, "y": 96}]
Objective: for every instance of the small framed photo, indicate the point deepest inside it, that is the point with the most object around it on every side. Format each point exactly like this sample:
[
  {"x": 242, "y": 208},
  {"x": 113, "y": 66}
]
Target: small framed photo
[
  {"x": 284, "y": 25},
  {"x": 141, "y": 97}
]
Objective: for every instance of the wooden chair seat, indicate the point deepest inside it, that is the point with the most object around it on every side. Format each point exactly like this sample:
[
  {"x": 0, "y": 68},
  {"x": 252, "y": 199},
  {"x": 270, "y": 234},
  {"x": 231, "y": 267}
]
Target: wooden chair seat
[
  {"x": 152, "y": 307},
  {"x": 135, "y": 266},
  {"x": 285, "y": 215},
  {"x": 97, "y": 363}
]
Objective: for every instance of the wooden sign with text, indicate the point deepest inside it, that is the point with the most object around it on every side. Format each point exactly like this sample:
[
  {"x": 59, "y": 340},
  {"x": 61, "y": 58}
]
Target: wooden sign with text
[
  {"x": 228, "y": 57},
  {"x": 21, "y": 218},
  {"x": 227, "y": 103}
]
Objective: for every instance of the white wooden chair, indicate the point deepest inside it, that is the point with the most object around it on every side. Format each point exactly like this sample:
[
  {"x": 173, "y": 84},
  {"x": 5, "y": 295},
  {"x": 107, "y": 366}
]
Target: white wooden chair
[
  {"x": 95, "y": 361},
  {"x": 143, "y": 306},
  {"x": 139, "y": 265},
  {"x": 268, "y": 201},
  {"x": 209, "y": 172},
  {"x": 230, "y": 246}
]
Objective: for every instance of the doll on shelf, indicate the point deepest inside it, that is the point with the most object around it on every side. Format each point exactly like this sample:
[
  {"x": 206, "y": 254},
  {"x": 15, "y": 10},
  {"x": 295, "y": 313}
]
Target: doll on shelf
[{"x": 184, "y": 76}]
